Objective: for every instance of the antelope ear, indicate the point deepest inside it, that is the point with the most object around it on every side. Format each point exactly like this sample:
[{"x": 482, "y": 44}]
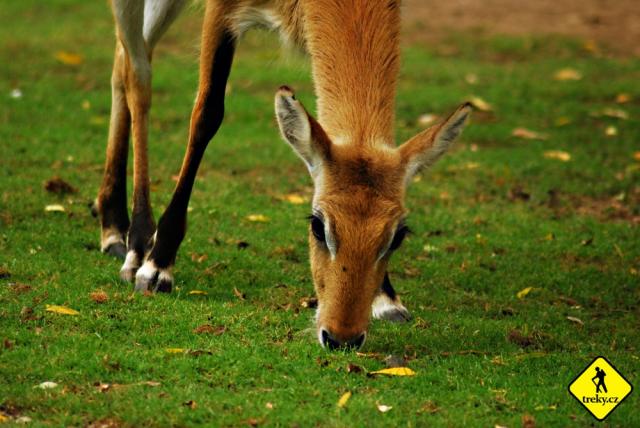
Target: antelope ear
[
  {"x": 427, "y": 147},
  {"x": 303, "y": 133}
]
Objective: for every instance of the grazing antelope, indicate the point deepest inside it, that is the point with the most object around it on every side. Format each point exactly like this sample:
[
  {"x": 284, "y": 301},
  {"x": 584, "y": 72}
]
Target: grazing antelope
[{"x": 360, "y": 176}]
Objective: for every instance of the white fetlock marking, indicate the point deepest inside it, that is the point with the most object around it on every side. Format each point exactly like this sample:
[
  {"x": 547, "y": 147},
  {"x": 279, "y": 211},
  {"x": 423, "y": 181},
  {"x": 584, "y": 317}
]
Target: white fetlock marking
[
  {"x": 382, "y": 306},
  {"x": 111, "y": 240},
  {"x": 131, "y": 262},
  {"x": 146, "y": 271},
  {"x": 165, "y": 275}
]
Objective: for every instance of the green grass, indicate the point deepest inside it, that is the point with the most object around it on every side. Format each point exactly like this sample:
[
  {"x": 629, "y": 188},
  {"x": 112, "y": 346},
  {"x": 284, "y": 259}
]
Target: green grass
[{"x": 484, "y": 246}]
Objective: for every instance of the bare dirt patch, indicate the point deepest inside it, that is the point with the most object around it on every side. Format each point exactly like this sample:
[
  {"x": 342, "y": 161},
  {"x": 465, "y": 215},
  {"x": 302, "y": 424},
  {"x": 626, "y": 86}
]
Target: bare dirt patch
[{"x": 613, "y": 25}]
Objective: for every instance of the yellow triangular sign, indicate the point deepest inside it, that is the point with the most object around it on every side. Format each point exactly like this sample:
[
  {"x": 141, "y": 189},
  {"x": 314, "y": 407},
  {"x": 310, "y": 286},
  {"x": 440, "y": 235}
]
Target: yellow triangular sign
[{"x": 600, "y": 388}]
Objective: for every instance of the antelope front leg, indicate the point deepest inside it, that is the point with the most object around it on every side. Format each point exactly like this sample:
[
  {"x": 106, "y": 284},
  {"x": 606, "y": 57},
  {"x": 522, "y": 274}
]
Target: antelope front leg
[
  {"x": 218, "y": 45},
  {"x": 111, "y": 204},
  {"x": 387, "y": 305}
]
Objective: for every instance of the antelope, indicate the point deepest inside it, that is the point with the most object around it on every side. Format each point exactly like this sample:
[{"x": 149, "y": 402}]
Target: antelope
[{"x": 360, "y": 176}]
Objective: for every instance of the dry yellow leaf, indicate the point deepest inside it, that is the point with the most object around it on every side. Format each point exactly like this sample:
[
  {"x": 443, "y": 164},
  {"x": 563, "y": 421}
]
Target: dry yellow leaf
[
  {"x": 258, "y": 218},
  {"x": 344, "y": 398},
  {"x": 427, "y": 119},
  {"x": 383, "y": 408},
  {"x": 623, "y": 98},
  {"x": 175, "y": 350},
  {"x": 3, "y": 417},
  {"x": 395, "y": 371},
  {"x": 636, "y": 156},
  {"x": 54, "y": 208},
  {"x": 562, "y": 121},
  {"x": 576, "y": 320},
  {"x": 565, "y": 74},
  {"x": 611, "y": 131},
  {"x": 480, "y": 104},
  {"x": 558, "y": 155},
  {"x": 471, "y": 78},
  {"x": 47, "y": 385},
  {"x": 295, "y": 199},
  {"x": 61, "y": 310},
  {"x": 522, "y": 293},
  {"x": 68, "y": 58},
  {"x": 198, "y": 292},
  {"x": 528, "y": 134},
  {"x": 616, "y": 113}
]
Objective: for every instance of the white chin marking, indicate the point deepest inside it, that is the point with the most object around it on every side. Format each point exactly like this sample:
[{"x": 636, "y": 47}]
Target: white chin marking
[{"x": 383, "y": 308}]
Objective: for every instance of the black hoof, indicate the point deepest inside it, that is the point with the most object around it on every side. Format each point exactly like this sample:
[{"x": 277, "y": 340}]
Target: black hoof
[
  {"x": 117, "y": 250},
  {"x": 163, "y": 286}
]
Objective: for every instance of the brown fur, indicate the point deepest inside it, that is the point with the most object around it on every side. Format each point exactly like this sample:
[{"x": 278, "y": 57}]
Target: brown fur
[{"x": 360, "y": 176}]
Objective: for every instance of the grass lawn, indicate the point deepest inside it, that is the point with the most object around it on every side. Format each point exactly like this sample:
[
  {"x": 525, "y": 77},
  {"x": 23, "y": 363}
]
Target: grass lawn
[{"x": 494, "y": 217}]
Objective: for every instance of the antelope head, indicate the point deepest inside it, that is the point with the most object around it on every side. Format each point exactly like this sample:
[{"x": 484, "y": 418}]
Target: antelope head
[{"x": 358, "y": 216}]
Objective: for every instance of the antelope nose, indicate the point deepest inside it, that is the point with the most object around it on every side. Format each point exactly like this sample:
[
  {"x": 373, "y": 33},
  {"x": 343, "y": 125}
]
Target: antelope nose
[{"x": 329, "y": 341}]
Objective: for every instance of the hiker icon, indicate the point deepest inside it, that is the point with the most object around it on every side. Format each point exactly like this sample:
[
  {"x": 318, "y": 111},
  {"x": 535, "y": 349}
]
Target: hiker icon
[{"x": 600, "y": 374}]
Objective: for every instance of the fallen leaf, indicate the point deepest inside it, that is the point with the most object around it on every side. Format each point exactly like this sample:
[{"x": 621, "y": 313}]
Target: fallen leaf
[
  {"x": 175, "y": 350},
  {"x": 102, "y": 387},
  {"x": 557, "y": 154},
  {"x": 3, "y": 417},
  {"x": 636, "y": 156},
  {"x": 427, "y": 119},
  {"x": 394, "y": 371},
  {"x": 295, "y": 199},
  {"x": 269, "y": 405},
  {"x": 623, "y": 98},
  {"x": 615, "y": 113},
  {"x": 190, "y": 404},
  {"x": 352, "y": 368},
  {"x": 566, "y": 74},
  {"x": 209, "y": 329},
  {"x": 68, "y": 58},
  {"x": 47, "y": 385},
  {"x": 528, "y": 421},
  {"x": 429, "y": 407},
  {"x": 58, "y": 186},
  {"x": 239, "y": 294},
  {"x": 152, "y": 383},
  {"x": 471, "y": 78},
  {"x": 15, "y": 93},
  {"x": 197, "y": 293},
  {"x": 576, "y": 320},
  {"x": 516, "y": 337},
  {"x": 611, "y": 131},
  {"x": 342, "y": 402},
  {"x": 383, "y": 408},
  {"x": 480, "y": 104},
  {"x": 522, "y": 293},
  {"x": 54, "y": 208},
  {"x": 99, "y": 296},
  {"x": 258, "y": 218},
  {"x": 562, "y": 121},
  {"x": 528, "y": 134},
  {"x": 61, "y": 310}
]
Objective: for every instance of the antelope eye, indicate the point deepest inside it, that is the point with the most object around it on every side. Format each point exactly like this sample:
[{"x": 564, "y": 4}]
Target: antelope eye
[
  {"x": 317, "y": 228},
  {"x": 401, "y": 233}
]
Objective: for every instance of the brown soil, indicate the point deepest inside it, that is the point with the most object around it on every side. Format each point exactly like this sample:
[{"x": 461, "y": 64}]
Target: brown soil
[{"x": 612, "y": 24}]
